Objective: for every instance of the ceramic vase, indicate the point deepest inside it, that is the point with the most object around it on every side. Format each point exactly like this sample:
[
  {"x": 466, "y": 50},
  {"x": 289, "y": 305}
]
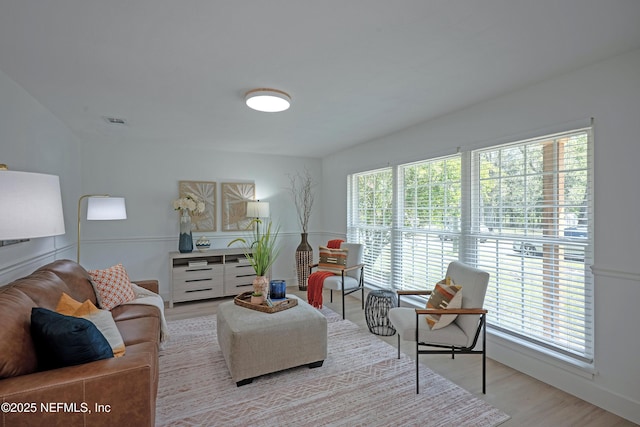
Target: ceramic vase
[
  {"x": 304, "y": 257},
  {"x": 261, "y": 285},
  {"x": 185, "y": 244}
]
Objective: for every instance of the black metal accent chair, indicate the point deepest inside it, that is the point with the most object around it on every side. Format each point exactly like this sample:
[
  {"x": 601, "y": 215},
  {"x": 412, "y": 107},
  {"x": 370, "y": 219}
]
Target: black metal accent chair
[{"x": 460, "y": 336}]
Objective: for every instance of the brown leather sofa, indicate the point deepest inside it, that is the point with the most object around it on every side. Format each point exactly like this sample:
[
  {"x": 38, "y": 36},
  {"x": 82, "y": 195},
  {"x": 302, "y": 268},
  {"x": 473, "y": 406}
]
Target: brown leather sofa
[{"x": 109, "y": 392}]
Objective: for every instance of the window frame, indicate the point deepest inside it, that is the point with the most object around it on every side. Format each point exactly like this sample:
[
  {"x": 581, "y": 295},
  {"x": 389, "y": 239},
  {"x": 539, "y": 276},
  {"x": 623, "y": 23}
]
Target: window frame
[{"x": 473, "y": 232}]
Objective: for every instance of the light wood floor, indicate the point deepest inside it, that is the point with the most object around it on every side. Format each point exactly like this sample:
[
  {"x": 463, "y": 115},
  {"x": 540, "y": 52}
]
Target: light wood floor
[{"x": 528, "y": 401}]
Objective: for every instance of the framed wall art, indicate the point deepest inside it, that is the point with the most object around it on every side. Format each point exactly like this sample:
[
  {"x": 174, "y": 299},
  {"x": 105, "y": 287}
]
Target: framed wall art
[
  {"x": 235, "y": 196},
  {"x": 206, "y": 191}
]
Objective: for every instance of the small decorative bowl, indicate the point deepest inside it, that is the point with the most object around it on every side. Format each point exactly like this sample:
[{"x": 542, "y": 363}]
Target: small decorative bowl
[{"x": 203, "y": 244}]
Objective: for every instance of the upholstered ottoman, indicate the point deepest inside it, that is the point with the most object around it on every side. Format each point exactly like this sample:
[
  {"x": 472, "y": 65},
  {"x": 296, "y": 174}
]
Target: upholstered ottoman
[{"x": 255, "y": 343}]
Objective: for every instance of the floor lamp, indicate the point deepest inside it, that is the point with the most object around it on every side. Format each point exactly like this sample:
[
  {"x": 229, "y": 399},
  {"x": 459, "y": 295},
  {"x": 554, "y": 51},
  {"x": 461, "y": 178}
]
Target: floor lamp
[
  {"x": 30, "y": 205},
  {"x": 100, "y": 207}
]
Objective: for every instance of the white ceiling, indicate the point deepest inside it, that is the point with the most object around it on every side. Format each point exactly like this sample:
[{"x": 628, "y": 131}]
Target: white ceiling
[{"x": 177, "y": 70}]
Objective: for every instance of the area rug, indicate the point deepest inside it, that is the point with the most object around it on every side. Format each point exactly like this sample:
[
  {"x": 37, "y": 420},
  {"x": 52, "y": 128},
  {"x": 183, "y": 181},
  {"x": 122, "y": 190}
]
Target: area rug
[{"x": 362, "y": 383}]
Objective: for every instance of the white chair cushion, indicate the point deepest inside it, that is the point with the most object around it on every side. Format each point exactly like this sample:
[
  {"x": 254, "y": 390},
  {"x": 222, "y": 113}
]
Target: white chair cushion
[
  {"x": 335, "y": 283},
  {"x": 404, "y": 320}
]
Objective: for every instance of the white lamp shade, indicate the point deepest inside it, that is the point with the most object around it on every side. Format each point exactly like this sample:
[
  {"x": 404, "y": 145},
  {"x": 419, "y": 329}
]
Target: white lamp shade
[
  {"x": 30, "y": 205},
  {"x": 257, "y": 209},
  {"x": 106, "y": 208}
]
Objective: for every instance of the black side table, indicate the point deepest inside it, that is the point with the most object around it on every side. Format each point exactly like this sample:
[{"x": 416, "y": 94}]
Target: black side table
[{"x": 376, "y": 312}]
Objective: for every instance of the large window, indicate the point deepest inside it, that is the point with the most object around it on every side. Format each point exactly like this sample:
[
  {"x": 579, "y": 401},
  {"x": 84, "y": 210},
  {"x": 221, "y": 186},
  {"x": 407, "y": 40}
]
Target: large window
[
  {"x": 370, "y": 200},
  {"x": 535, "y": 198},
  {"x": 429, "y": 199},
  {"x": 521, "y": 211}
]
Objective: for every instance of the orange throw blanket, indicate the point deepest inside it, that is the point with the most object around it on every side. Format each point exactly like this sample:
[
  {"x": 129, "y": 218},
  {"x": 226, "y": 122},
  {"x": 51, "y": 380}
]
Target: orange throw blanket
[
  {"x": 315, "y": 281},
  {"x": 314, "y": 288}
]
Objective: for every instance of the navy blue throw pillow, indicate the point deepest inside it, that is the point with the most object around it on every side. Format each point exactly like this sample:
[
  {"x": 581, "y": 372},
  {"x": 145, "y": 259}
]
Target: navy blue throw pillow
[{"x": 66, "y": 340}]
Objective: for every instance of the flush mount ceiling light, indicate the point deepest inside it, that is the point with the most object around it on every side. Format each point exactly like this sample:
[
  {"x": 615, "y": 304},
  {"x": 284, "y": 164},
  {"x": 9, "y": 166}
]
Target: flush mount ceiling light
[{"x": 267, "y": 100}]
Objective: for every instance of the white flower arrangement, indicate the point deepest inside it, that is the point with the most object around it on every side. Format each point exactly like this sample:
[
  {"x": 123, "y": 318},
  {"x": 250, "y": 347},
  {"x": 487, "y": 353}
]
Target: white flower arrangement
[{"x": 190, "y": 202}]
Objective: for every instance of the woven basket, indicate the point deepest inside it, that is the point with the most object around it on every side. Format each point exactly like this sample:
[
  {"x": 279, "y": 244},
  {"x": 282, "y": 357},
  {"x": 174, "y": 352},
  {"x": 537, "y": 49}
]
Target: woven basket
[{"x": 244, "y": 300}]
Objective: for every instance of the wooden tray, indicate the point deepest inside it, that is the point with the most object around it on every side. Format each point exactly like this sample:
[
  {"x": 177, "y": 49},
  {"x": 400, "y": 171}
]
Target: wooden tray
[{"x": 244, "y": 300}]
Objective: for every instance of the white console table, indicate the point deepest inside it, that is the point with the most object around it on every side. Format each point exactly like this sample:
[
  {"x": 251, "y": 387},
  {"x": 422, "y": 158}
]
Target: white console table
[{"x": 210, "y": 274}]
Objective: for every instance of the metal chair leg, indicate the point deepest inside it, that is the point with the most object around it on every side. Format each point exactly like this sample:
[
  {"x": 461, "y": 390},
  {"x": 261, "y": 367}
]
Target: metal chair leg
[
  {"x": 417, "y": 358},
  {"x": 484, "y": 358},
  {"x": 417, "y": 368},
  {"x": 362, "y": 285},
  {"x": 343, "y": 300}
]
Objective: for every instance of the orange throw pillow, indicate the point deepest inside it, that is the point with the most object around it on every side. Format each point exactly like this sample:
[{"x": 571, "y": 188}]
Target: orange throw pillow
[{"x": 101, "y": 318}]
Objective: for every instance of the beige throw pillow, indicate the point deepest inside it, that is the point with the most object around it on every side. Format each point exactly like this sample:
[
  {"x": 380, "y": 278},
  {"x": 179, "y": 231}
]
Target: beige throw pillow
[{"x": 444, "y": 296}]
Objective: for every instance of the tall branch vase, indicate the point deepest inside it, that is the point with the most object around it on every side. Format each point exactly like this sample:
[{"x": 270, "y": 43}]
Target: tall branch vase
[{"x": 304, "y": 258}]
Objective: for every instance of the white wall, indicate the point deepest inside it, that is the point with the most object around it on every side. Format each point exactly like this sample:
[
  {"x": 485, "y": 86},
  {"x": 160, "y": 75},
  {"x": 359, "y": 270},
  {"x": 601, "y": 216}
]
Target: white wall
[
  {"x": 610, "y": 93},
  {"x": 147, "y": 175},
  {"x": 33, "y": 140}
]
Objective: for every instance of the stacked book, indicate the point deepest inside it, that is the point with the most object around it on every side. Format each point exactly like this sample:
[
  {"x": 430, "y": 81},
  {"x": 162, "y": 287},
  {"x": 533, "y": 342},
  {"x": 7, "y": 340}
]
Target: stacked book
[{"x": 198, "y": 263}]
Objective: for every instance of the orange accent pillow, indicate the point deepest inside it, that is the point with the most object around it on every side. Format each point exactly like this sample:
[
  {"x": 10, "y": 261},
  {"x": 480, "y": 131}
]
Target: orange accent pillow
[
  {"x": 67, "y": 305},
  {"x": 113, "y": 286},
  {"x": 101, "y": 318}
]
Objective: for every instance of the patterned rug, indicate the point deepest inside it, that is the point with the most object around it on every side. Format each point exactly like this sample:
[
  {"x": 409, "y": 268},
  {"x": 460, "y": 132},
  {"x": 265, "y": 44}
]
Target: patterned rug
[{"x": 362, "y": 383}]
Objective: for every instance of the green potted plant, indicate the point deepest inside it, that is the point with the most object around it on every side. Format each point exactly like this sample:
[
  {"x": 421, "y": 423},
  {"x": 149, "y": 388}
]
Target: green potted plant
[{"x": 261, "y": 249}]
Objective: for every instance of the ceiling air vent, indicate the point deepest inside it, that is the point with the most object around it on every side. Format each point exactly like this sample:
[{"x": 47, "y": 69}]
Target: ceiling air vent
[{"x": 115, "y": 120}]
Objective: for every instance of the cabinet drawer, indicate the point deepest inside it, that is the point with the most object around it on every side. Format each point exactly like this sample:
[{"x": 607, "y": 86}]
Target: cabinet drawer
[
  {"x": 235, "y": 287},
  {"x": 198, "y": 273},
  {"x": 232, "y": 271},
  {"x": 238, "y": 278},
  {"x": 196, "y": 293}
]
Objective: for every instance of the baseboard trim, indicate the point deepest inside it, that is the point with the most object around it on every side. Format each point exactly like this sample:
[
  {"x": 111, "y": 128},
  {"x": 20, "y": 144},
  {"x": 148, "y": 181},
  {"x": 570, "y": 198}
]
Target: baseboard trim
[{"x": 577, "y": 384}]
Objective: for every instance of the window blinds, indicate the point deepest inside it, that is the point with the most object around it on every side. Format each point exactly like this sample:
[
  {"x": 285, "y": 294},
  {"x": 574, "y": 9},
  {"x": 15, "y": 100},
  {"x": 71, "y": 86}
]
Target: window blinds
[
  {"x": 521, "y": 211},
  {"x": 369, "y": 221},
  {"x": 531, "y": 228},
  {"x": 428, "y": 227}
]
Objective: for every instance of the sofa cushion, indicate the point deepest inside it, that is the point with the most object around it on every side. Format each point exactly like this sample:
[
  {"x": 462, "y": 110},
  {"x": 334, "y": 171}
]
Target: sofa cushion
[
  {"x": 142, "y": 329},
  {"x": 65, "y": 340},
  {"x": 43, "y": 287},
  {"x": 76, "y": 279},
  {"x": 134, "y": 311},
  {"x": 17, "y": 353},
  {"x": 113, "y": 286},
  {"x": 101, "y": 318}
]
